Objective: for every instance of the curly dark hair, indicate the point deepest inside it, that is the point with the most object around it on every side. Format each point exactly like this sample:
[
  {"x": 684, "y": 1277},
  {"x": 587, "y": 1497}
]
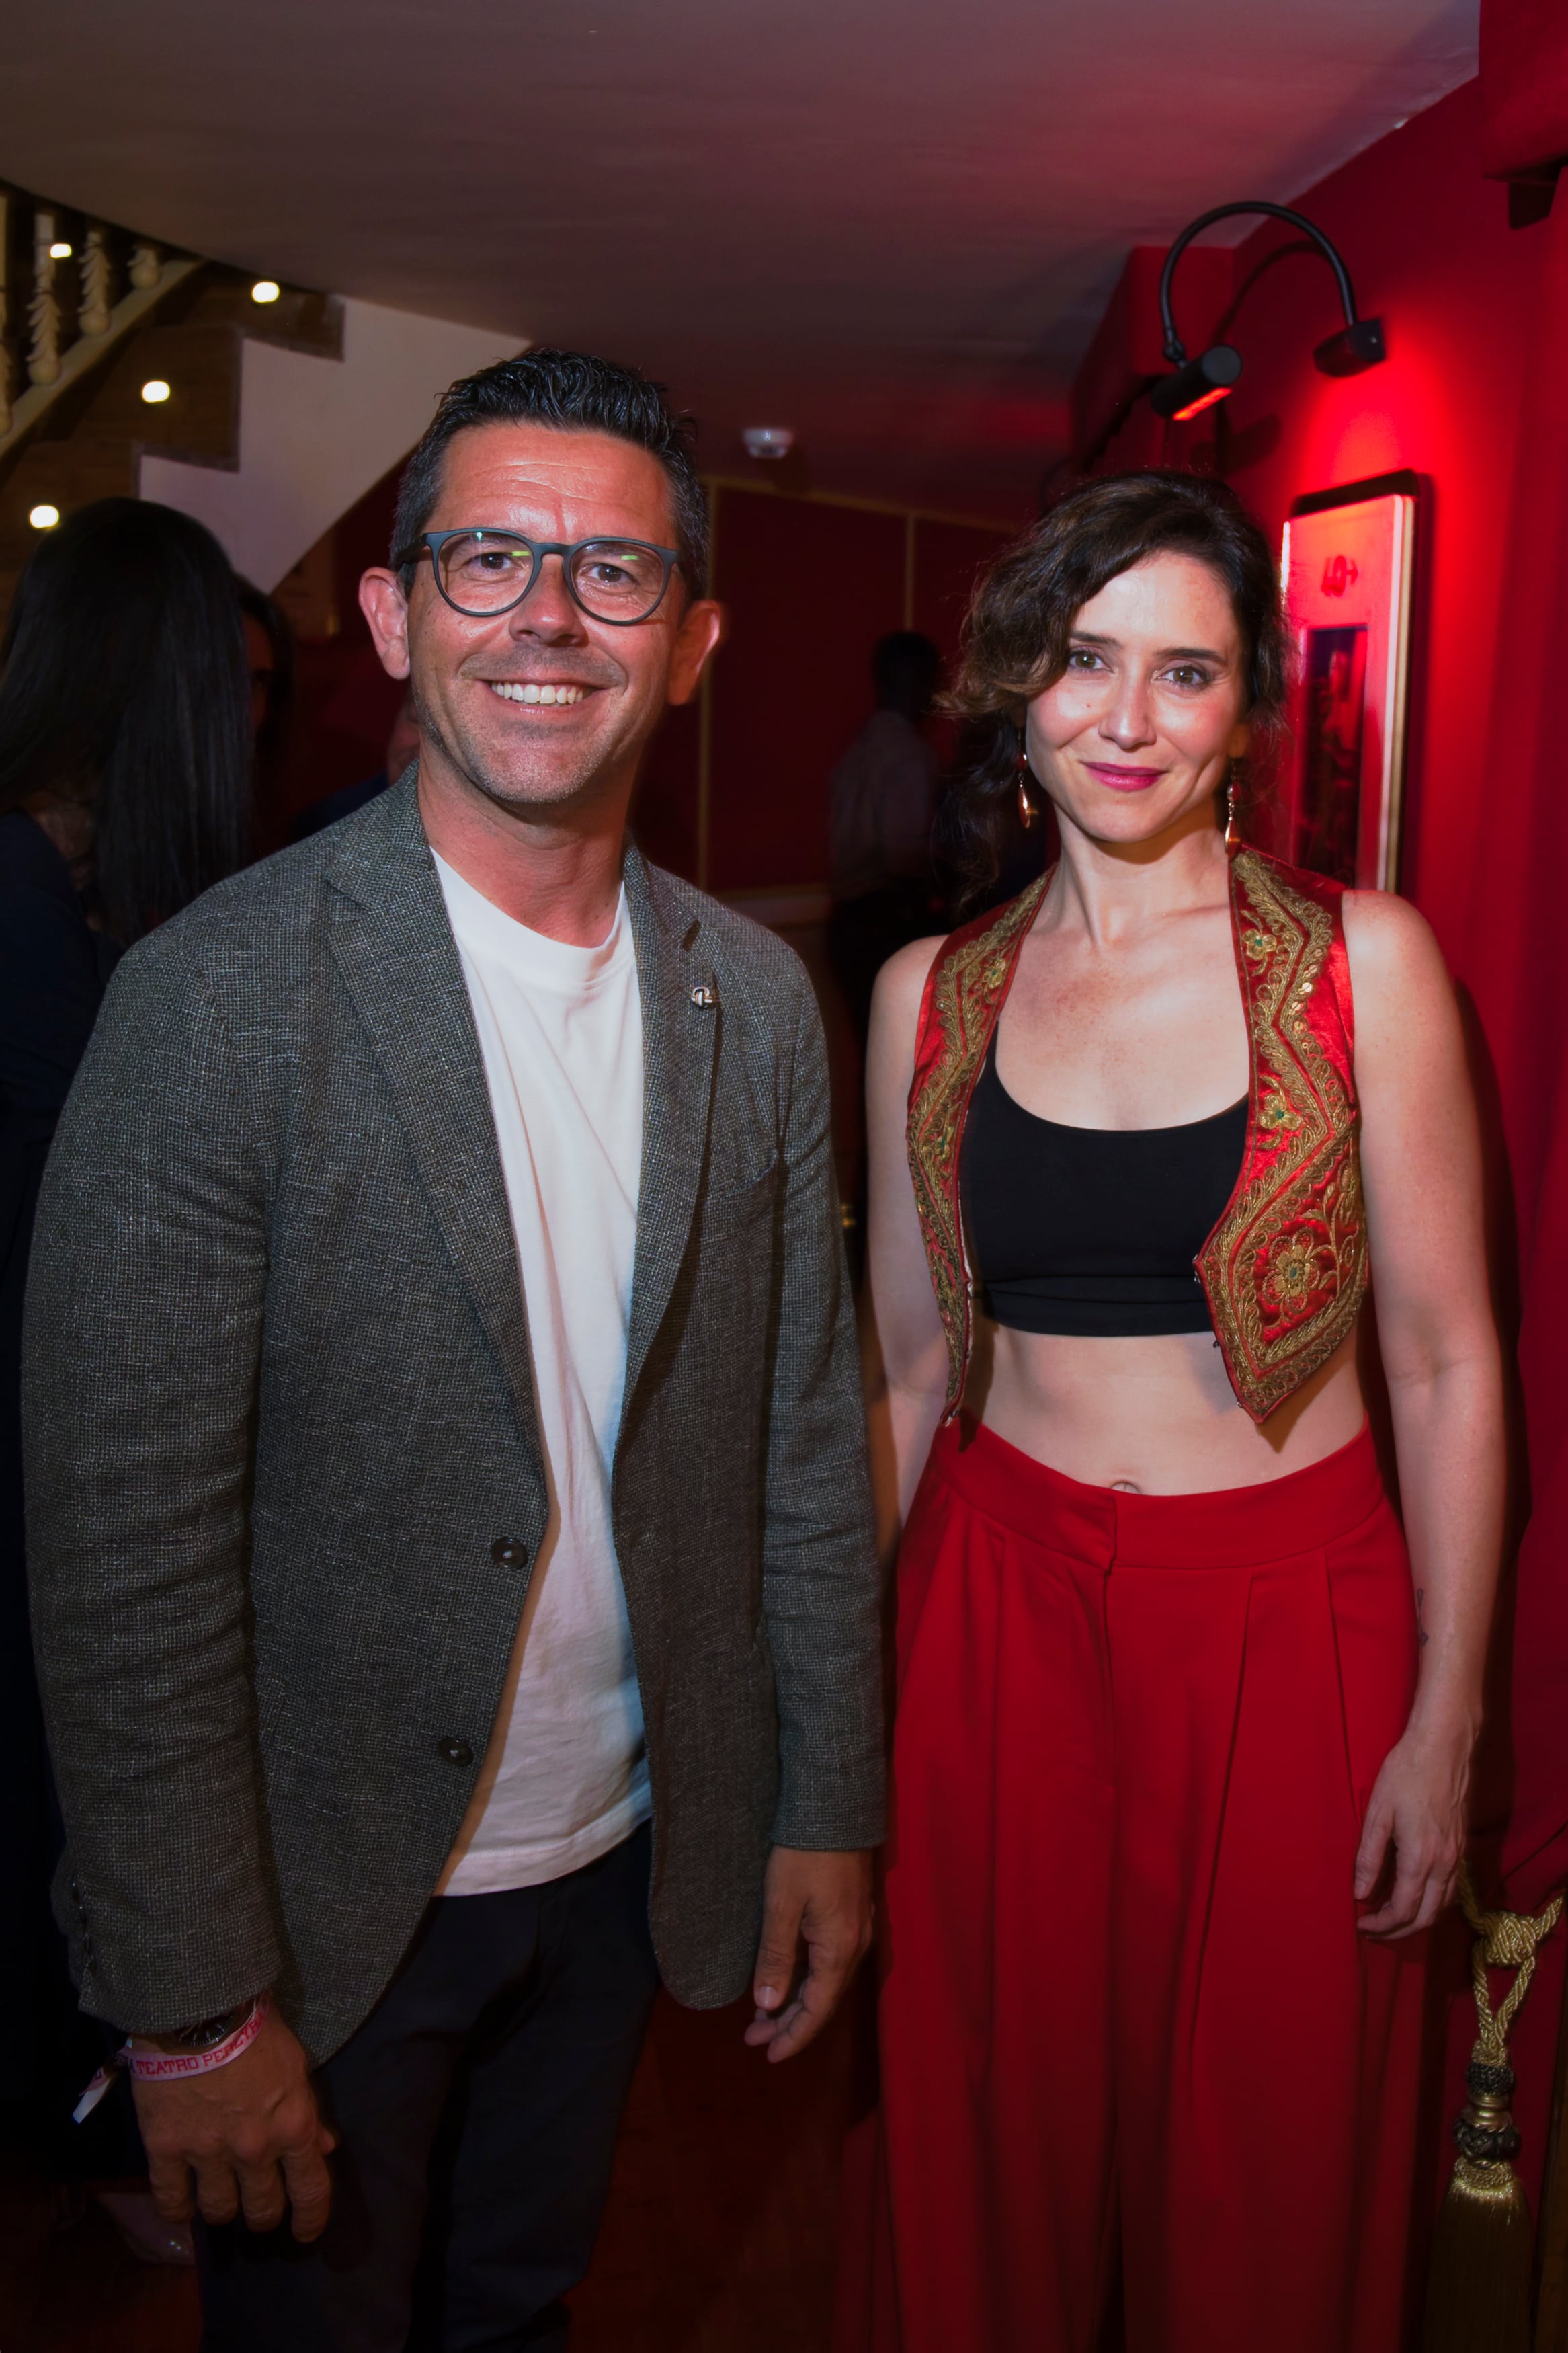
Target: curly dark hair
[{"x": 1020, "y": 615}]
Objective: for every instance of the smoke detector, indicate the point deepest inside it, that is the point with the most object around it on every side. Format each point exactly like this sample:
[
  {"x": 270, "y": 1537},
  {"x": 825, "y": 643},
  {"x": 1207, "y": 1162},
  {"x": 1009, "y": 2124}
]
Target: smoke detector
[{"x": 768, "y": 440}]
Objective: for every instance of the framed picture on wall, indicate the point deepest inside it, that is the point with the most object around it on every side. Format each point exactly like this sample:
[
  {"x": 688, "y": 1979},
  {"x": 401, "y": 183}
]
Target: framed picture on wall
[{"x": 1346, "y": 572}]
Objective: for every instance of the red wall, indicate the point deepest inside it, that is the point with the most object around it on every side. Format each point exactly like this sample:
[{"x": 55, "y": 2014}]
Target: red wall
[
  {"x": 1428, "y": 246},
  {"x": 810, "y": 588}
]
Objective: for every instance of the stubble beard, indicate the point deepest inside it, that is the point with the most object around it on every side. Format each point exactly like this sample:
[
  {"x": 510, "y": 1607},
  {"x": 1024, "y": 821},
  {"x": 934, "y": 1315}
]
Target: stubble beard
[{"x": 549, "y": 783}]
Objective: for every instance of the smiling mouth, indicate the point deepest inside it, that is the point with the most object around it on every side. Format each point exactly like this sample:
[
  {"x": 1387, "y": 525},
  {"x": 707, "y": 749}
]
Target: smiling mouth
[
  {"x": 1124, "y": 780},
  {"x": 513, "y": 689}
]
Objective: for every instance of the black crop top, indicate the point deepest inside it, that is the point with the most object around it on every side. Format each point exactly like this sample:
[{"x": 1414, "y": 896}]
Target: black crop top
[{"x": 1093, "y": 1231}]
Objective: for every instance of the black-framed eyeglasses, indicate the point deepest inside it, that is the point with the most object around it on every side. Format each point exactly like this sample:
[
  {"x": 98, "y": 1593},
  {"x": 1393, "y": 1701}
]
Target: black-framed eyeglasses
[{"x": 482, "y": 572}]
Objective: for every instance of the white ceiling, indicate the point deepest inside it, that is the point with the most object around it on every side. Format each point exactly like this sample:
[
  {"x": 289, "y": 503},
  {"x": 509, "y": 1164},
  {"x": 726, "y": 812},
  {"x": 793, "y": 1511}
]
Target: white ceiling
[{"x": 890, "y": 224}]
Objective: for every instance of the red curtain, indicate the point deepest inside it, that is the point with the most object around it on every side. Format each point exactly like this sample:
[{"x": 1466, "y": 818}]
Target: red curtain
[
  {"x": 1520, "y": 980},
  {"x": 1518, "y": 972}
]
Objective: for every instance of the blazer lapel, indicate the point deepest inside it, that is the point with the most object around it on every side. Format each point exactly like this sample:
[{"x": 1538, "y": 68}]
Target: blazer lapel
[
  {"x": 393, "y": 943},
  {"x": 680, "y": 1017}
]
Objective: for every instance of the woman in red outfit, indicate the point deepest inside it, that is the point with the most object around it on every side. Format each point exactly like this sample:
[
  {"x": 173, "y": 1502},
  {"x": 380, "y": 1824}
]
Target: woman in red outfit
[{"x": 1184, "y": 1728}]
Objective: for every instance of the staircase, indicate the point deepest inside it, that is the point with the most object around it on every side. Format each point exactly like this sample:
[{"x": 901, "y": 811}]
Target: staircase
[{"x": 110, "y": 348}]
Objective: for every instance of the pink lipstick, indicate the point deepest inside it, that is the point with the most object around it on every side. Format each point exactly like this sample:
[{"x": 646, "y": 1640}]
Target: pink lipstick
[{"x": 1122, "y": 779}]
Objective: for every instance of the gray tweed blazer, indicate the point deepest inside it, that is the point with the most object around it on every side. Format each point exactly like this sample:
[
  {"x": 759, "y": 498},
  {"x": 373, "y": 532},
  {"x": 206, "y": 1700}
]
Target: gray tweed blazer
[{"x": 284, "y": 1479}]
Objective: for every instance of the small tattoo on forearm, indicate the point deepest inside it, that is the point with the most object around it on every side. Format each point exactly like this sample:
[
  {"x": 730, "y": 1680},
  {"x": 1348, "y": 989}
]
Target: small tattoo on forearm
[{"x": 1420, "y": 1619}]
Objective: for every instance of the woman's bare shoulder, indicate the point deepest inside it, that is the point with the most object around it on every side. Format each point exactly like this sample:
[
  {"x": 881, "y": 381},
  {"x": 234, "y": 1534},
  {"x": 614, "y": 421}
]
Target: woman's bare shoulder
[
  {"x": 904, "y": 976},
  {"x": 1392, "y": 948},
  {"x": 900, "y": 984}
]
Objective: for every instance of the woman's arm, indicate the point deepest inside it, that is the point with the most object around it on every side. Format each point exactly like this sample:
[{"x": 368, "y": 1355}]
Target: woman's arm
[
  {"x": 1421, "y": 1164},
  {"x": 907, "y": 1329}
]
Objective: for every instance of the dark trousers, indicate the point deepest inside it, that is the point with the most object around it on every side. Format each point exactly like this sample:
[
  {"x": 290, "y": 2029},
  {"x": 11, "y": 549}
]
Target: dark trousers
[{"x": 476, "y": 2110}]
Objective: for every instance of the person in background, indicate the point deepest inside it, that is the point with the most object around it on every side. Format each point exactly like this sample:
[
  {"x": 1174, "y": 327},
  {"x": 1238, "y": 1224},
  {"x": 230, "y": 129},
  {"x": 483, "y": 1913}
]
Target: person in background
[
  {"x": 270, "y": 654},
  {"x": 883, "y": 799},
  {"x": 270, "y": 658},
  {"x": 125, "y": 773},
  {"x": 470, "y": 1449},
  {"x": 402, "y": 751}
]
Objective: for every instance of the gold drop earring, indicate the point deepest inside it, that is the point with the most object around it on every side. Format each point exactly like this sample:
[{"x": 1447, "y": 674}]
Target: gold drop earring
[{"x": 1028, "y": 815}]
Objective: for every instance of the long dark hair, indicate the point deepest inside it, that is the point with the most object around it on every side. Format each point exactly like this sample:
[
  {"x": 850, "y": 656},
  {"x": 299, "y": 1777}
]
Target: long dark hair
[
  {"x": 125, "y": 687},
  {"x": 1021, "y": 616}
]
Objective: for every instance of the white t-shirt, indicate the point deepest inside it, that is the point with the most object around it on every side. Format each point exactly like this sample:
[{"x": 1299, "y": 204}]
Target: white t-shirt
[{"x": 559, "y": 1027}]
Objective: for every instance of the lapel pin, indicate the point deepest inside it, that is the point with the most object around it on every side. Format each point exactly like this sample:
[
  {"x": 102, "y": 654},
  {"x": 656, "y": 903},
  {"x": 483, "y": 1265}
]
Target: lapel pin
[{"x": 702, "y": 994}]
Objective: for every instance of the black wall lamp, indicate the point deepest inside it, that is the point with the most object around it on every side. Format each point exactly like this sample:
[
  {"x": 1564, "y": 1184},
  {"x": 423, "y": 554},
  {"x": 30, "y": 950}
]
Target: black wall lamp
[{"x": 1198, "y": 384}]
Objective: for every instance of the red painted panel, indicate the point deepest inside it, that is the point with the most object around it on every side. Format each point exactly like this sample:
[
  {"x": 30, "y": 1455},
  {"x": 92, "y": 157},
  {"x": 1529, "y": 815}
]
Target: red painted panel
[
  {"x": 810, "y": 588},
  {"x": 949, "y": 557},
  {"x": 664, "y": 811}
]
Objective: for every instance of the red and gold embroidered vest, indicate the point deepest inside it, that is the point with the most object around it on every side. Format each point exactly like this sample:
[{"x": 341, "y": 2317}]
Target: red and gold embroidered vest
[{"x": 1285, "y": 1269}]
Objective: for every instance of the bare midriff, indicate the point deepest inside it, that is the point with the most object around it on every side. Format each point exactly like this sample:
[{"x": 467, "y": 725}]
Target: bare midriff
[{"x": 1154, "y": 1417}]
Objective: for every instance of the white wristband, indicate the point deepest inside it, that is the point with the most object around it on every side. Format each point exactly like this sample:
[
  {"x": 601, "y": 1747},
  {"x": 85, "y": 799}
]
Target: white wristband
[{"x": 165, "y": 2066}]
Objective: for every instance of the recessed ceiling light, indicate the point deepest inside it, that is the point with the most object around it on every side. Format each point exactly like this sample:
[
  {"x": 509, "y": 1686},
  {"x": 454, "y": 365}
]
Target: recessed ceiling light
[
  {"x": 768, "y": 440},
  {"x": 154, "y": 390},
  {"x": 44, "y": 518},
  {"x": 266, "y": 290},
  {"x": 59, "y": 251}
]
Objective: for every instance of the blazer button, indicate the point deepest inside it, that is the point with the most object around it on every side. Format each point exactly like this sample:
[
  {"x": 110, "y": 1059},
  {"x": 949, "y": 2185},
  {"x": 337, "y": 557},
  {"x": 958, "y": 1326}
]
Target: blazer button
[
  {"x": 509, "y": 1552},
  {"x": 454, "y": 1752}
]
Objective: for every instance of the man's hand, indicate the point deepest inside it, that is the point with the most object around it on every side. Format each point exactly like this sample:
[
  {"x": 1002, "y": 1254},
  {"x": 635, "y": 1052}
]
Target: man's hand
[
  {"x": 825, "y": 1901},
  {"x": 250, "y": 2132}
]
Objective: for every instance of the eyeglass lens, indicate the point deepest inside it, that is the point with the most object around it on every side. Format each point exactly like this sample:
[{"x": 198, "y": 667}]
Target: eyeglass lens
[{"x": 616, "y": 579}]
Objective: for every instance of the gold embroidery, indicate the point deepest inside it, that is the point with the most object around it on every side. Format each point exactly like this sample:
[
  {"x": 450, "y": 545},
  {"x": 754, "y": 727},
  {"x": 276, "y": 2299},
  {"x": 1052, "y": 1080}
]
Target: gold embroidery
[
  {"x": 1275, "y": 1120},
  {"x": 1285, "y": 1269},
  {"x": 964, "y": 1006},
  {"x": 1292, "y": 1270}
]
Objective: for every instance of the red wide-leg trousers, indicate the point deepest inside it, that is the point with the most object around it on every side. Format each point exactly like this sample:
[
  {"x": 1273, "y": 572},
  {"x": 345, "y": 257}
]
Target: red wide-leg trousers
[{"x": 1127, "y": 2019}]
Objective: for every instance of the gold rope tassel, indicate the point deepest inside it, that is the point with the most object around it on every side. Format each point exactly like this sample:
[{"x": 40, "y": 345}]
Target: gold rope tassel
[{"x": 1477, "y": 2292}]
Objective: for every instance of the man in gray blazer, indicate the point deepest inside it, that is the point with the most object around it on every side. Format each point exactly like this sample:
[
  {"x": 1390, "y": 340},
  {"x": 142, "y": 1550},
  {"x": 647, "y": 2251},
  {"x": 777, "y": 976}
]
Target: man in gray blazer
[{"x": 447, "y": 1508}]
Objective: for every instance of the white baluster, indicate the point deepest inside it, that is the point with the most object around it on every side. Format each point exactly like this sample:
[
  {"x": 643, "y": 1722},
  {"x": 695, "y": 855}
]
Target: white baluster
[
  {"x": 44, "y": 309},
  {"x": 92, "y": 318}
]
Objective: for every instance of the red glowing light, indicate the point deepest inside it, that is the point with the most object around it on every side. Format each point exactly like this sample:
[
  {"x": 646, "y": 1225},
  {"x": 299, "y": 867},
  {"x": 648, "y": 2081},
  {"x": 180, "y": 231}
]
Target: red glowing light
[{"x": 1196, "y": 407}]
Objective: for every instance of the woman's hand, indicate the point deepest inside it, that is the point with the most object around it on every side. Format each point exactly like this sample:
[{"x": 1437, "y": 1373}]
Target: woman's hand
[{"x": 1417, "y": 1807}]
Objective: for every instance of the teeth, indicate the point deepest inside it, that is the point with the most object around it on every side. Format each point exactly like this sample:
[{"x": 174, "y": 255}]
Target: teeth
[{"x": 511, "y": 691}]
